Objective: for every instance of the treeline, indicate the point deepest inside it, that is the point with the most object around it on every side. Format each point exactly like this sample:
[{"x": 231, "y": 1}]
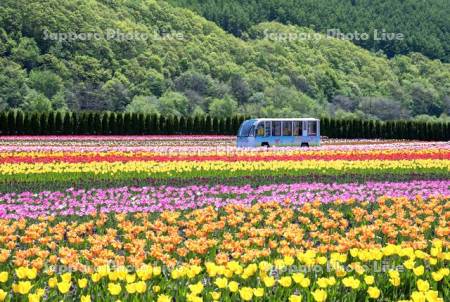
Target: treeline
[
  {"x": 372, "y": 129},
  {"x": 350, "y": 16},
  {"x": 110, "y": 123},
  {"x": 206, "y": 70}
]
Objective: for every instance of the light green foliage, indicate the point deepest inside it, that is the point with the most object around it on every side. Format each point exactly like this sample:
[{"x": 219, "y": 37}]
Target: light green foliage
[
  {"x": 35, "y": 101},
  {"x": 424, "y": 24},
  {"x": 222, "y": 107},
  {"x": 187, "y": 65},
  {"x": 144, "y": 104}
]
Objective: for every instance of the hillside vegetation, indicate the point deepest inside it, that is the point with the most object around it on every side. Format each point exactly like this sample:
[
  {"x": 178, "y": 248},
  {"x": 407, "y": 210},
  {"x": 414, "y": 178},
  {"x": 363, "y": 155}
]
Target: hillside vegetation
[
  {"x": 424, "y": 24},
  {"x": 188, "y": 65}
]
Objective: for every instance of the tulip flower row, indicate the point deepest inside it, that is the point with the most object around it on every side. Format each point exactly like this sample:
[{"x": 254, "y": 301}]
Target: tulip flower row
[
  {"x": 82, "y": 157},
  {"x": 57, "y": 171},
  {"x": 170, "y": 198},
  {"x": 392, "y": 249}
]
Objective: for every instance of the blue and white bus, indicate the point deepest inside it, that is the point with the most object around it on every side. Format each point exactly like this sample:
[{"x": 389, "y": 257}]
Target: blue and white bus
[{"x": 268, "y": 132}]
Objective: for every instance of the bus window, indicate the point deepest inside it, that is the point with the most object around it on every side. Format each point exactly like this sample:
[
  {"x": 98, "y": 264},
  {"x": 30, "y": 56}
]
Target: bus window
[
  {"x": 287, "y": 128},
  {"x": 312, "y": 128},
  {"x": 298, "y": 129},
  {"x": 247, "y": 129},
  {"x": 260, "y": 130},
  {"x": 267, "y": 124},
  {"x": 276, "y": 128}
]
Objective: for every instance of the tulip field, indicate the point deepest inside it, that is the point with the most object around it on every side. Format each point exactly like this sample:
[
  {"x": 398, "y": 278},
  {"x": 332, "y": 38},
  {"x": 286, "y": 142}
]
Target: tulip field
[{"x": 192, "y": 218}]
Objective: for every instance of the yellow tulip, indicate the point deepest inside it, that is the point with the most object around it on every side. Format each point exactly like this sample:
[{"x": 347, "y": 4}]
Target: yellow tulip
[
  {"x": 418, "y": 271},
  {"x": 322, "y": 282},
  {"x": 156, "y": 271},
  {"x": 66, "y": 277},
  {"x": 52, "y": 282},
  {"x": 233, "y": 286},
  {"x": 31, "y": 273},
  {"x": 95, "y": 277},
  {"x": 114, "y": 288},
  {"x": 86, "y": 298},
  {"x": 141, "y": 287},
  {"x": 269, "y": 281},
  {"x": 156, "y": 288},
  {"x": 221, "y": 282},
  {"x": 82, "y": 283},
  {"x": 258, "y": 292},
  {"x": 215, "y": 295},
  {"x": 418, "y": 297},
  {"x": 21, "y": 272},
  {"x": 423, "y": 285},
  {"x": 131, "y": 278},
  {"x": 433, "y": 296},
  {"x": 64, "y": 287},
  {"x": 373, "y": 292},
  {"x": 295, "y": 298},
  {"x": 130, "y": 288},
  {"x": 196, "y": 288},
  {"x": 285, "y": 281},
  {"x": 319, "y": 295},
  {"x": 164, "y": 298},
  {"x": 3, "y": 295},
  {"x": 34, "y": 298},
  {"x": 3, "y": 277},
  {"x": 437, "y": 276},
  {"x": 369, "y": 280},
  {"x": 246, "y": 293},
  {"x": 23, "y": 287}
]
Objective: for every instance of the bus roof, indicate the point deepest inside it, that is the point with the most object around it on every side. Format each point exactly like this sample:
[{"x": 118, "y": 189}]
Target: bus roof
[{"x": 286, "y": 119}]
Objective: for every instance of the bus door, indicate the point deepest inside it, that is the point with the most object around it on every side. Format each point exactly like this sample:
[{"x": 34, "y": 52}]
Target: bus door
[
  {"x": 287, "y": 132},
  {"x": 304, "y": 129}
]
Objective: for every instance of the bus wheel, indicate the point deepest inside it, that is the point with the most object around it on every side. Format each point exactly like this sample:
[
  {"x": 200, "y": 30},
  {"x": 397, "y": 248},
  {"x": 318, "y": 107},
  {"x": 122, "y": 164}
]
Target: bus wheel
[
  {"x": 265, "y": 145},
  {"x": 304, "y": 145}
]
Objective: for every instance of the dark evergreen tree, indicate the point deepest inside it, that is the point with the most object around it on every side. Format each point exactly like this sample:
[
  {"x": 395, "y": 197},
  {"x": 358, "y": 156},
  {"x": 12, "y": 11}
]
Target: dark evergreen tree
[
  {"x": 332, "y": 130},
  {"x": 155, "y": 124},
  {"x": 91, "y": 123},
  {"x": 20, "y": 120},
  {"x": 51, "y": 122},
  {"x": 97, "y": 124},
  {"x": 183, "y": 126},
  {"x": 141, "y": 124},
  {"x": 197, "y": 124},
  {"x": 127, "y": 123},
  {"x": 4, "y": 123},
  {"x": 208, "y": 124},
  {"x": 120, "y": 123},
  {"x": 112, "y": 124},
  {"x": 228, "y": 129},
  {"x": 169, "y": 125},
  {"x": 134, "y": 129},
  {"x": 27, "y": 124},
  {"x": 176, "y": 125},
  {"x": 67, "y": 124},
  {"x": 12, "y": 122},
  {"x": 189, "y": 125},
  {"x": 43, "y": 122},
  {"x": 36, "y": 123},
  {"x": 215, "y": 125},
  {"x": 148, "y": 124},
  {"x": 58, "y": 122},
  {"x": 162, "y": 125},
  {"x": 105, "y": 123},
  {"x": 75, "y": 122}
]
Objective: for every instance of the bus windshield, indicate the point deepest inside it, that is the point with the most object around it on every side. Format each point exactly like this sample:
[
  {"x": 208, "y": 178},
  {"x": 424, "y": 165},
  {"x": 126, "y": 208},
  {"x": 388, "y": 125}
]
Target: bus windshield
[{"x": 246, "y": 128}]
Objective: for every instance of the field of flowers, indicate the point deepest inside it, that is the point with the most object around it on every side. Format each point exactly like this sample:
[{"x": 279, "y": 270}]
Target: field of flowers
[{"x": 195, "y": 219}]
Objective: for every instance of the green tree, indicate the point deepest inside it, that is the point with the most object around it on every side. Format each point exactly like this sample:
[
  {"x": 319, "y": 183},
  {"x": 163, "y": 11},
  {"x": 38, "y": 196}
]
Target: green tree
[{"x": 222, "y": 107}]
